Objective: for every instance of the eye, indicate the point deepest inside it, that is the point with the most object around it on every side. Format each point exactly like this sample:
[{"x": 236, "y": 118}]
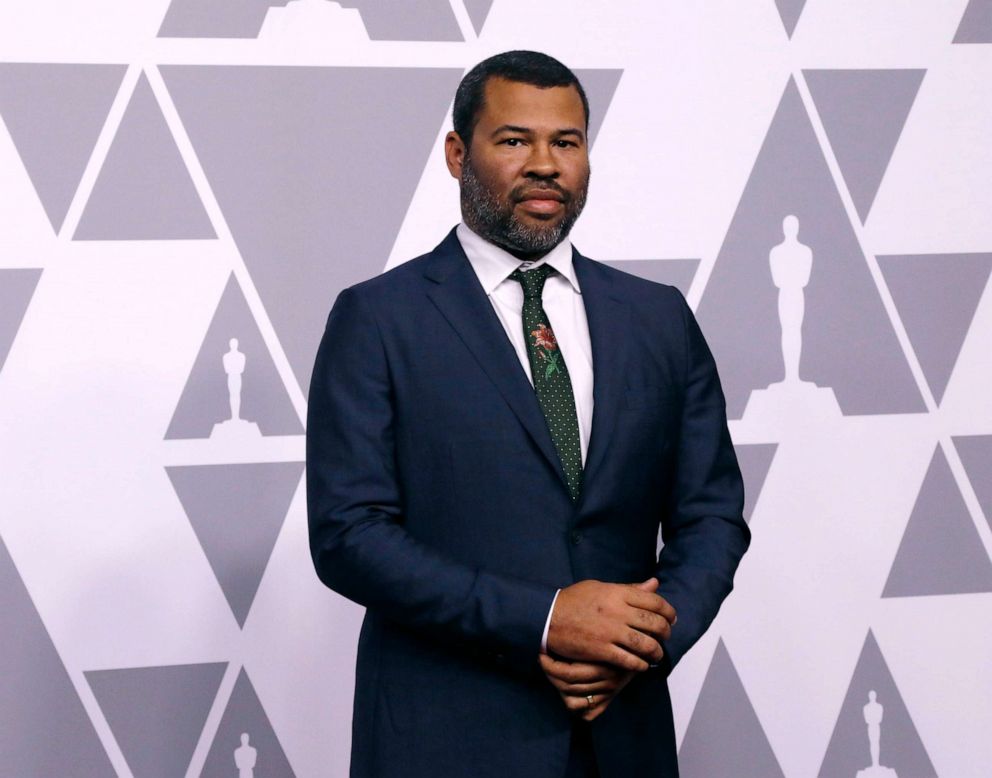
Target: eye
[
  {"x": 512, "y": 142},
  {"x": 562, "y": 143}
]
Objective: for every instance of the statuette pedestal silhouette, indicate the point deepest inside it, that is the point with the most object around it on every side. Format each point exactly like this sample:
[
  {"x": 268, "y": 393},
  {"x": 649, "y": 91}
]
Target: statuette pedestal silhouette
[
  {"x": 312, "y": 24},
  {"x": 873, "y": 712},
  {"x": 791, "y": 263},
  {"x": 235, "y": 428}
]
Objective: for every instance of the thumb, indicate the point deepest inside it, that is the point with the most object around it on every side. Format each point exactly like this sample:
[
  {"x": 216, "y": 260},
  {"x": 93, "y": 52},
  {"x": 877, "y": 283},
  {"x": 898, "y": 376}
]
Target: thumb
[{"x": 649, "y": 585}]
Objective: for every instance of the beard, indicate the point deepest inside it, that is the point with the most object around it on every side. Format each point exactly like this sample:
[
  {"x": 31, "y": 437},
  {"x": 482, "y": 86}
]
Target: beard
[{"x": 495, "y": 219}]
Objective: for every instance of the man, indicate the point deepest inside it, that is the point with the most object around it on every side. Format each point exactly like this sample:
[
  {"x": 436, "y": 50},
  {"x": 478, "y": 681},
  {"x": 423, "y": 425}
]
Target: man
[{"x": 496, "y": 431}]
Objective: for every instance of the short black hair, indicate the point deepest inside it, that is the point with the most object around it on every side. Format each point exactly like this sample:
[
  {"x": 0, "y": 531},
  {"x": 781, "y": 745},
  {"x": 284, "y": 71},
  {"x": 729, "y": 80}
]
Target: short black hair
[{"x": 527, "y": 67}]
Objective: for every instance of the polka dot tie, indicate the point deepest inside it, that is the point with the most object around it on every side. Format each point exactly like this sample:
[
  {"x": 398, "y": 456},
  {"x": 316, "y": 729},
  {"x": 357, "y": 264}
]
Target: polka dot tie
[{"x": 551, "y": 381}]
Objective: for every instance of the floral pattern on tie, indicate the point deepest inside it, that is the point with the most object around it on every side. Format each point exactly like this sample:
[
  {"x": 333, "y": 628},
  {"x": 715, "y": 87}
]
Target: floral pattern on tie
[{"x": 544, "y": 339}]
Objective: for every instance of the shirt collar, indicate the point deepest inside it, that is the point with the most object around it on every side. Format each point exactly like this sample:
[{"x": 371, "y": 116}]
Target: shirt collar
[{"x": 493, "y": 264}]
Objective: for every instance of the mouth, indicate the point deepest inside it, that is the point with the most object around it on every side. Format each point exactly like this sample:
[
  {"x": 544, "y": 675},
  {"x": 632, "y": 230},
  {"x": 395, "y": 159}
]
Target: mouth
[{"x": 542, "y": 201}]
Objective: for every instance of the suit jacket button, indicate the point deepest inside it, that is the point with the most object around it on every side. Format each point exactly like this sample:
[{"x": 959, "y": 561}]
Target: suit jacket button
[{"x": 576, "y": 538}]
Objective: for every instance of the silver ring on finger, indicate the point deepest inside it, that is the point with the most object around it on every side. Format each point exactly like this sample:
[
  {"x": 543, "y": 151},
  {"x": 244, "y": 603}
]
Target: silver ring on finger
[{"x": 590, "y": 699}]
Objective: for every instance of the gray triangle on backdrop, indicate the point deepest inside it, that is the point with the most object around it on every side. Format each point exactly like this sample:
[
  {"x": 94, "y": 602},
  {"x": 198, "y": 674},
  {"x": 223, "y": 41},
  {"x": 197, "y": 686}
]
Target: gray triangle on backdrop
[
  {"x": 863, "y": 113},
  {"x": 976, "y": 456},
  {"x": 394, "y": 20},
  {"x": 143, "y": 190},
  {"x": 724, "y": 738},
  {"x": 44, "y": 729},
  {"x": 17, "y": 286},
  {"x": 936, "y": 296},
  {"x": 790, "y": 11},
  {"x": 739, "y": 307},
  {"x": 940, "y": 551},
  {"x": 755, "y": 460},
  {"x": 299, "y": 158},
  {"x": 245, "y": 737},
  {"x": 674, "y": 272},
  {"x": 215, "y": 18},
  {"x": 157, "y": 713},
  {"x": 976, "y": 23},
  {"x": 599, "y": 84},
  {"x": 478, "y": 10},
  {"x": 899, "y": 744},
  {"x": 237, "y": 512},
  {"x": 206, "y": 398},
  {"x": 54, "y": 113}
]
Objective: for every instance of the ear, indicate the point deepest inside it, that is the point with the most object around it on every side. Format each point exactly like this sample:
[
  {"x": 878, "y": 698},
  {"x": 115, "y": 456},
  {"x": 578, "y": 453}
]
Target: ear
[{"x": 454, "y": 153}]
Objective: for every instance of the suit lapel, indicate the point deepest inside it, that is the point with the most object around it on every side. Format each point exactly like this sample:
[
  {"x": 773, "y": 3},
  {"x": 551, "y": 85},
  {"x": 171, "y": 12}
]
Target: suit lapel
[
  {"x": 463, "y": 302},
  {"x": 609, "y": 328}
]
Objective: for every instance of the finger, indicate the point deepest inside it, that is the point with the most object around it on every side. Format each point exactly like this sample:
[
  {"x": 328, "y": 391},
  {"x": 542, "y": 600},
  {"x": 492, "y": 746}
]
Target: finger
[
  {"x": 583, "y": 689},
  {"x": 650, "y": 623},
  {"x": 642, "y": 645},
  {"x": 601, "y": 685},
  {"x": 650, "y": 601},
  {"x": 598, "y": 708},
  {"x": 625, "y": 660},
  {"x": 596, "y": 711},
  {"x": 585, "y": 703},
  {"x": 579, "y": 705},
  {"x": 577, "y": 672}
]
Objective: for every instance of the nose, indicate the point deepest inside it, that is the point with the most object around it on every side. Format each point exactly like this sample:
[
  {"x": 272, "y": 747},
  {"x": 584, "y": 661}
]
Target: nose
[{"x": 541, "y": 163}]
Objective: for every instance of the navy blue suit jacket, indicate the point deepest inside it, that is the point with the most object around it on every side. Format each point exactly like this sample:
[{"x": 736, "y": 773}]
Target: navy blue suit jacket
[{"x": 436, "y": 500}]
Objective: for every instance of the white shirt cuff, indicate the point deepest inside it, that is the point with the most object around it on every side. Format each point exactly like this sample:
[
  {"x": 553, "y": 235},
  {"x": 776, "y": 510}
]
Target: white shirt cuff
[{"x": 547, "y": 624}]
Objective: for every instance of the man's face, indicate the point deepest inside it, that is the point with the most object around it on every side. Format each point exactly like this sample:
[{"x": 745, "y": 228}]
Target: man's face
[{"x": 525, "y": 177}]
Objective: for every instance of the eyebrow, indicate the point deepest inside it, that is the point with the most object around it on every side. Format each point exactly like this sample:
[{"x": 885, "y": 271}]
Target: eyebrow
[{"x": 526, "y": 130}]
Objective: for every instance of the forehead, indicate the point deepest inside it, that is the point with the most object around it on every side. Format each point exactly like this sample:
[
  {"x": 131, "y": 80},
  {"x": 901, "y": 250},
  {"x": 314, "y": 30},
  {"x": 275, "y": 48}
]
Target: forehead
[{"x": 526, "y": 105}]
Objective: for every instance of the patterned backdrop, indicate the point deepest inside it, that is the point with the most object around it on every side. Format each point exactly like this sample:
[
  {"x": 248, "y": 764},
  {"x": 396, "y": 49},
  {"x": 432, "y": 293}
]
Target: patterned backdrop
[{"x": 188, "y": 184}]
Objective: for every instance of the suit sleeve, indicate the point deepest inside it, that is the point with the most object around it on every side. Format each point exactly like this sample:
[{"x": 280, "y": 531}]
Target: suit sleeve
[
  {"x": 704, "y": 532},
  {"x": 359, "y": 545}
]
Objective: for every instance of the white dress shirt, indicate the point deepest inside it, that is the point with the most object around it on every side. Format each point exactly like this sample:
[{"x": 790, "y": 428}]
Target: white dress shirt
[{"x": 562, "y": 301}]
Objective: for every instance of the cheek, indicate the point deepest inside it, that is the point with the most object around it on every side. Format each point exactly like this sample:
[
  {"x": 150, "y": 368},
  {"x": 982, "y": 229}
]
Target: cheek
[
  {"x": 578, "y": 171},
  {"x": 499, "y": 165}
]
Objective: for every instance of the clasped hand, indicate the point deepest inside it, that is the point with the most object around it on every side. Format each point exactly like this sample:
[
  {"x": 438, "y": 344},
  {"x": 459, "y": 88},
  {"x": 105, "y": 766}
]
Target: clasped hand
[{"x": 601, "y": 635}]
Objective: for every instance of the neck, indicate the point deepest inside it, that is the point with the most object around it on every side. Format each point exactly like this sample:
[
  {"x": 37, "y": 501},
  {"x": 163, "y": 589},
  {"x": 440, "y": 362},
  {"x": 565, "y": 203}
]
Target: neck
[
  {"x": 526, "y": 256},
  {"x": 521, "y": 254}
]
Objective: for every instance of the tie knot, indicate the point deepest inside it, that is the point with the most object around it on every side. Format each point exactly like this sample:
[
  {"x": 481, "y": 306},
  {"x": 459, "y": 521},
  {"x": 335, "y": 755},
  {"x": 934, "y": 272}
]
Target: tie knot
[{"x": 532, "y": 280}]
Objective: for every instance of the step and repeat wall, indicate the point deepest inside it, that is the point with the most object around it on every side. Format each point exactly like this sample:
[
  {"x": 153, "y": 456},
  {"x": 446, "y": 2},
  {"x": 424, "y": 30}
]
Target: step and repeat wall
[{"x": 186, "y": 185}]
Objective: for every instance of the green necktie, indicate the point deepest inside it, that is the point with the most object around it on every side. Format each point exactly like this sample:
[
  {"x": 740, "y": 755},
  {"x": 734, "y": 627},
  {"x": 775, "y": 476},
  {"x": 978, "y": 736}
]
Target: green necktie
[{"x": 551, "y": 381}]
